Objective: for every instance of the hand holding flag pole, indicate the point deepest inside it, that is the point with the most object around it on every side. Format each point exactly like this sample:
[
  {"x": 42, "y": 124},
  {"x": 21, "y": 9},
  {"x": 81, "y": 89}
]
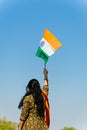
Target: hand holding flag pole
[{"x": 48, "y": 45}]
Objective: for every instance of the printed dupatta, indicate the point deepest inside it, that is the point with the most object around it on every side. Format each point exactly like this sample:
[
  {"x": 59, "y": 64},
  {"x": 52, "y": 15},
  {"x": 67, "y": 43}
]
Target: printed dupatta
[{"x": 47, "y": 108}]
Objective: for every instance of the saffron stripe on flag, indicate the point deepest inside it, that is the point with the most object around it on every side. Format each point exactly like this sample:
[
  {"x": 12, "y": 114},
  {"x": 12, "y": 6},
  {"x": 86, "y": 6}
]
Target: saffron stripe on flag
[{"x": 52, "y": 40}]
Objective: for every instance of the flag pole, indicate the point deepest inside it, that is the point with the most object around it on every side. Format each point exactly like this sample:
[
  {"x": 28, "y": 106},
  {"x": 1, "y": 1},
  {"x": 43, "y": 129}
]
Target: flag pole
[{"x": 44, "y": 65}]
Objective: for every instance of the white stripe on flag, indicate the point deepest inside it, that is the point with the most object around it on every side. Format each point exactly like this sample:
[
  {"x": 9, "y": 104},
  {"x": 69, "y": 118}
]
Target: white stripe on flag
[{"x": 46, "y": 47}]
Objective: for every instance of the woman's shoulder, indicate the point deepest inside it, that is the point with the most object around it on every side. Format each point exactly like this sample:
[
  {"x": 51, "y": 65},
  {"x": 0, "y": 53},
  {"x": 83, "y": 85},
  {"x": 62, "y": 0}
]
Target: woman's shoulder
[{"x": 28, "y": 98}]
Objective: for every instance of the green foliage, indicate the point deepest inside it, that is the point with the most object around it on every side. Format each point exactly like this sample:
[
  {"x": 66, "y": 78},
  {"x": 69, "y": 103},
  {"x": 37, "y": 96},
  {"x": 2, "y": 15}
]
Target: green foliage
[
  {"x": 7, "y": 125},
  {"x": 68, "y": 128}
]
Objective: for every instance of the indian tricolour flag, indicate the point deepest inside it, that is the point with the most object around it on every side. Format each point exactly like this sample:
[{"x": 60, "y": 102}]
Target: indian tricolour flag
[{"x": 48, "y": 45}]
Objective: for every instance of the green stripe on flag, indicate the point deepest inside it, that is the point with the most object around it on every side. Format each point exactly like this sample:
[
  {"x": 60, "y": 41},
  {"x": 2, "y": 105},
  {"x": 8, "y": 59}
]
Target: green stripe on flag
[{"x": 40, "y": 53}]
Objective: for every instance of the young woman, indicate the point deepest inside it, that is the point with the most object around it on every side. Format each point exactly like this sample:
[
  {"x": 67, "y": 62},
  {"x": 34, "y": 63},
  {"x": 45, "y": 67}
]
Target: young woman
[{"x": 35, "y": 106}]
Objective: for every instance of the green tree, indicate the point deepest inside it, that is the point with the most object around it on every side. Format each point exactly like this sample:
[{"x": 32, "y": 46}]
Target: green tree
[
  {"x": 68, "y": 128},
  {"x": 7, "y": 125}
]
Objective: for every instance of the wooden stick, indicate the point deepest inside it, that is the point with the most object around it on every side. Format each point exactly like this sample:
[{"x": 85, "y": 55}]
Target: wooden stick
[{"x": 44, "y": 65}]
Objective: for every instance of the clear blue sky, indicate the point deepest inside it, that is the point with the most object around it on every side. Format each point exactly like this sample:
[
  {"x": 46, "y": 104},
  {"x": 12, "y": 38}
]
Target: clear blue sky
[{"x": 21, "y": 28}]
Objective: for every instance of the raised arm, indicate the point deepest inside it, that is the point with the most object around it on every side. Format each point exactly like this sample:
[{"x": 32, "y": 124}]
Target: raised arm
[{"x": 45, "y": 87}]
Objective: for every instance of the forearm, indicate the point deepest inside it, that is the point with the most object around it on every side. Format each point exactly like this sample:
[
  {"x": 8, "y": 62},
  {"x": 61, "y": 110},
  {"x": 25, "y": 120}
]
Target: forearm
[
  {"x": 20, "y": 125},
  {"x": 45, "y": 87},
  {"x": 45, "y": 77},
  {"x": 45, "y": 83}
]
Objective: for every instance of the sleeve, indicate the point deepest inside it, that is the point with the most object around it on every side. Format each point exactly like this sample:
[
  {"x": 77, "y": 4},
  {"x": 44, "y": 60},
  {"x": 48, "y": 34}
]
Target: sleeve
[{"x": 25, "y": 109}]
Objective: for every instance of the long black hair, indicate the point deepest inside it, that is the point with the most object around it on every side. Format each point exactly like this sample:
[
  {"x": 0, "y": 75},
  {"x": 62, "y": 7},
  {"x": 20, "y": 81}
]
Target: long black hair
[{"x": 33, "y": 88}]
